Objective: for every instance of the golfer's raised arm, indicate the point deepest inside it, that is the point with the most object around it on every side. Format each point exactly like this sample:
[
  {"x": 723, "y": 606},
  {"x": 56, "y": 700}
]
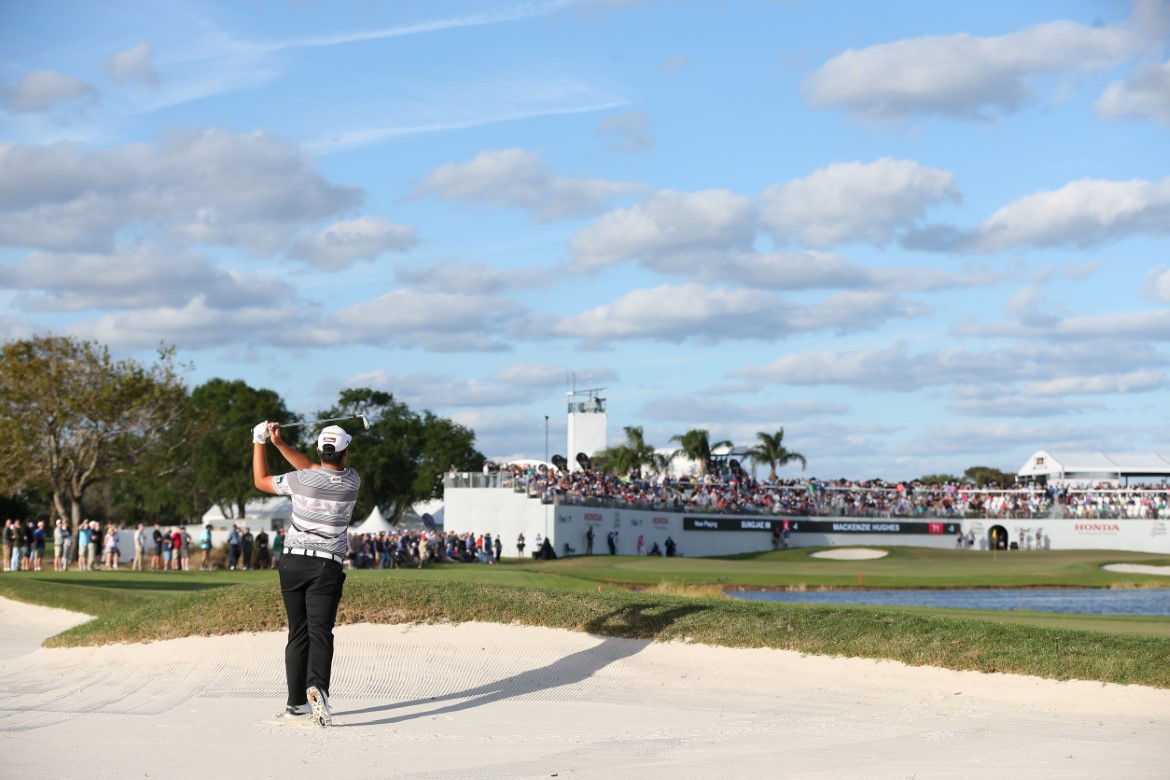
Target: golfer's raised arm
[
  {"x": 260, "y": 476},
  {"x": 294, "y": 458}
]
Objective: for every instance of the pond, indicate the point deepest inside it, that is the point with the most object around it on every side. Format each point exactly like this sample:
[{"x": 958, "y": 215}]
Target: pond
[{"x": 1084, "y": 601}]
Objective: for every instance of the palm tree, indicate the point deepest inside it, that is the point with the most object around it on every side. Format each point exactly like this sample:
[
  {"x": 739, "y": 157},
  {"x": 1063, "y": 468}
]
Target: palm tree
[
  {"x": 771, "y": 450},
  {"x": 696, "y": 445},
  {"x": 627, "y": 457}
]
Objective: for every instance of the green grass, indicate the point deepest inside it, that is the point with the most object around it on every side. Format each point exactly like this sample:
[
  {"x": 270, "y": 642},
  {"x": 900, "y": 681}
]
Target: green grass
[
  {"x": 903, "y": 567},
  {"x": 149, "y": 606}
]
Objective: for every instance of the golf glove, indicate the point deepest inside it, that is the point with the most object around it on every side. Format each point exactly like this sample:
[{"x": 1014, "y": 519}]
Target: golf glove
[{"x": 260, "y": 433}]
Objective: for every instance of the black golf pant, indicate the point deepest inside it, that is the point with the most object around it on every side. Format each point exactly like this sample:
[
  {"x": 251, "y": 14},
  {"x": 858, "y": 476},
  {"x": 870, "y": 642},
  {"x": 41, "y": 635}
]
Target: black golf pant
[{"x": 311, "y": 588}]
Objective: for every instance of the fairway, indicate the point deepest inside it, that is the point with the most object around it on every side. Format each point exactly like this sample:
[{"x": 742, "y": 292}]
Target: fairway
[{"x": 903, "y": 567}]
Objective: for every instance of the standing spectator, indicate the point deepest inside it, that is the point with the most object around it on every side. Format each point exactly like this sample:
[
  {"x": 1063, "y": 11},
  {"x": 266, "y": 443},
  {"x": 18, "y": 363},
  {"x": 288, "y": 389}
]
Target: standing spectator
[
  {"x": 9, "y": 542},
  {"x": 58, "y": 544},
  {"x": 263, "y": 554},
  {"x": 520, "y": 544},
  {"x": 589, "y": 540},
  {"x": 38, "y": 545},
  {"x": 177, "y": 548},
  {"x": 205, "y": 546},
  {"x": 168, "y": 553},
  {"x": 66, "y": 545},
  {"x": 139, "y": 548},
  {"x": 278, "y": 546},
  {"x": 641, "y": 545},
  {"x": 156, "y": 559},
  {"x": 83, "y": 562},
  {"x": 775, "y": 536},
  {"x": 110, "y": 546},
  {"x": 92, "y": 550},
  {"x": 499, "y": 547},
  {"x": 611, "y": 542},
  {"x": 184, "y": 556},
  {"x": 233, "y": 547},
  {"x": 20, "y": 554},
  {"x": 247, "y": 542}
]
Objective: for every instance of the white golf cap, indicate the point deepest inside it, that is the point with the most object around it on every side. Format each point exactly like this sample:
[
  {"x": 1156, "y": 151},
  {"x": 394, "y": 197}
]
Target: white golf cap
[{"x": 334, "y": 435}]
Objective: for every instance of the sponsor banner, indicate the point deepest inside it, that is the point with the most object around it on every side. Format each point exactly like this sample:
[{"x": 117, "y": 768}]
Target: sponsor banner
[
  {"x": 592, "y": 517},
  {"x": 1105, "y": 527},
  {"x": 661, "y": 520},
  {"x": 843, "y": 526}
]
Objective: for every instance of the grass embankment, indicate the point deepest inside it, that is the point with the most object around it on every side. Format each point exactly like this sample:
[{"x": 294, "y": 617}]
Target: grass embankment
[
  {"x": 140, "y": 607},
  {"x": 911, "y": 638}
]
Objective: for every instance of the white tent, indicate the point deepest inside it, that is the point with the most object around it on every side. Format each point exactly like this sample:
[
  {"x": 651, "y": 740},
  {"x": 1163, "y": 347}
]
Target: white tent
[
  {"x": 257, "y": 512},
  {"x": 375, "y": 523}
]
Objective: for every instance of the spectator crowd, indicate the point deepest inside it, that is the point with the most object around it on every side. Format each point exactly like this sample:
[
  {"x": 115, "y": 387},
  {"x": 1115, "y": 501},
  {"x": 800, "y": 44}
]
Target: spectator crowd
[{"x": 742, "y": 494}]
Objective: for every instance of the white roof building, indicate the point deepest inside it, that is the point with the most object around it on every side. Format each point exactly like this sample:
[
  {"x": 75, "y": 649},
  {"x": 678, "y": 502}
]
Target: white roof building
[{"x": 1097, "y": 465}]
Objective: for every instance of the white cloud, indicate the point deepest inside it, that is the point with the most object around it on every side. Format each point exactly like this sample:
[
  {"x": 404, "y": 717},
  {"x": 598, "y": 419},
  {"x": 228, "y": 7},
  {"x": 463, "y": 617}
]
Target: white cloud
[
  {"x": 137, "y": 277},
  {"x": 1157, "y": 283},
  {"x": 1144, "y": 94},
  {"x": 812, "y": 270},
  {"x": 1130, "y": 327},
  {"x": 1044, "y": 366},
  {"x": 545, "y": 375},
  {"x": 194, "y": 325},
  {"x": 694, "y": 311},
  {"x": 964, "y": 75},
  {"x": 439, "y": 322},
  {"x": 342, "y": 244},
  {"x": 133, "y": 65},
  {"x": 41, "y": 90},
  {"x": 630, "y": 132},
  {"x": 516, "y": 178},
  {"x": 1082, "y": 213},
  {"x": 855, "y": 201},
  {"x": 670, "y": 230},
  {"x": 466, "y": 278},
  {"x": 715, "y": 413},
  {"x": 207, "y": 186}
]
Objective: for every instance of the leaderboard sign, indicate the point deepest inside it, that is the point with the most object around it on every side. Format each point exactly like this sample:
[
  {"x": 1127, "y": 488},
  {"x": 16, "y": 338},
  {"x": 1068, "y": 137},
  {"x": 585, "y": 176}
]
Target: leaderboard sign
[{"x": 842, "y": 526}]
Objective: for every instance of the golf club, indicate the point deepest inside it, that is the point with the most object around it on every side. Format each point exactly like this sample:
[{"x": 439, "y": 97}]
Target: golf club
[{"x": 362, "y": 417}]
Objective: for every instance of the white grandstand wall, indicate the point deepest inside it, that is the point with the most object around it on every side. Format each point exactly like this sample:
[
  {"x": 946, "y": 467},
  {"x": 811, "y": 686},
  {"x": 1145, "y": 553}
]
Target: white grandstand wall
[{"x": 501, "y": 511}]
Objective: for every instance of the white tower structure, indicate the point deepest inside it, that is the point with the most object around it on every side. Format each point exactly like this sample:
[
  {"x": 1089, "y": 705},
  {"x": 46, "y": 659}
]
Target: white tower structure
[{"x": 588, "y": 425}]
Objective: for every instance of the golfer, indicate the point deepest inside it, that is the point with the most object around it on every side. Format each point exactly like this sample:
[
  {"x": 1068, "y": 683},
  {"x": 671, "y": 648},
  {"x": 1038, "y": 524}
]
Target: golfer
[{"x": 311, "y": 573}]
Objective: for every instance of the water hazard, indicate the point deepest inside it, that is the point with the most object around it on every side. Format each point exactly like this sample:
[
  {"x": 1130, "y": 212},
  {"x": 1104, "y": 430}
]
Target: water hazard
[{"x": 1082, "y": 601}]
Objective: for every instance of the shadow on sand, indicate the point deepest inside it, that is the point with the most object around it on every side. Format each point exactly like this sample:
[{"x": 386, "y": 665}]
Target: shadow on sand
[{"x": 635, "y": 621}]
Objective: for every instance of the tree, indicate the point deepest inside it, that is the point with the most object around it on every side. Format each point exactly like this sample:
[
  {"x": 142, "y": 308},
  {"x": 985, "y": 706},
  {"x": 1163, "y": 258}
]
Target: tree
[
  {"x": 771, "y": 450},
  {"x": 696, "y": 445},
  {"x": 630, "y": 456},
  {"x": 403, "y": 456},
  {"x": 217, "y": 442},
  {"x": 983, "y": 475},
  {"x": 71, "y": 416}
]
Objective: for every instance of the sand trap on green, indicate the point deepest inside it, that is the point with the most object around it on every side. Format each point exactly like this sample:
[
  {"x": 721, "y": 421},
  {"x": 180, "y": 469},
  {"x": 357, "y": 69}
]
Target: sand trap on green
[
  {"x": 1137, "y": 568},
  {"x": 851, "y": 554}
]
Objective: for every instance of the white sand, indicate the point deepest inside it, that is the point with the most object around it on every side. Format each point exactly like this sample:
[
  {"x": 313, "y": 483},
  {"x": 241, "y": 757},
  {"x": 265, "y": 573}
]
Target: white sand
[
  {"x": 492, "y": 701},
  {"x": 23, "y": 626},
  {"x": 850, "y": 554},
  {"x": 1137, "y": 568}
]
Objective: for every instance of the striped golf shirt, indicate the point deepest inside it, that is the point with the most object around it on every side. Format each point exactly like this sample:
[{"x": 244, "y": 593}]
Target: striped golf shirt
[{"x": 323, "y": 502}]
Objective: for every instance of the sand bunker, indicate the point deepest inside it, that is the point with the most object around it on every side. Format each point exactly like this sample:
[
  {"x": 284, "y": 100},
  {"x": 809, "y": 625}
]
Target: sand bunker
[
  {"x": 25, "y": 626},
  {"x": 851, "y": 554},
  {"x": 1137, "y": 568},
  {"x": 493, "y": 701}
]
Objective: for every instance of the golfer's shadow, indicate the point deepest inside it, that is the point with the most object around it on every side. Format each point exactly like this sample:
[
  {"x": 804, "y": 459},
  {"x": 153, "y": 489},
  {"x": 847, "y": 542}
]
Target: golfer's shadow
[{"x": 652, "y": 619}]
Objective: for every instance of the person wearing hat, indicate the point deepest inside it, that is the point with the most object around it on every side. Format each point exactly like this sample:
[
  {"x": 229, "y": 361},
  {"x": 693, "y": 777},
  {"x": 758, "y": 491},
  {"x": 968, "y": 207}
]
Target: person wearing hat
[{"x": 311, "y": 575}]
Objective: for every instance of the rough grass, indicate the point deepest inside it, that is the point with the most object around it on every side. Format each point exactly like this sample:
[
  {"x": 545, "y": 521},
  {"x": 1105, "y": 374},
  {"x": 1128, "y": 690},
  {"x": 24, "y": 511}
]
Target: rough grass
[{"x": 914, "y": 639}]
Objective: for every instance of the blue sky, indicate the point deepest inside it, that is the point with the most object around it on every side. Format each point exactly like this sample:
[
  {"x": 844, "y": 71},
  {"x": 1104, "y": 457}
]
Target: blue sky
[{"x": 918, "y": 236}]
